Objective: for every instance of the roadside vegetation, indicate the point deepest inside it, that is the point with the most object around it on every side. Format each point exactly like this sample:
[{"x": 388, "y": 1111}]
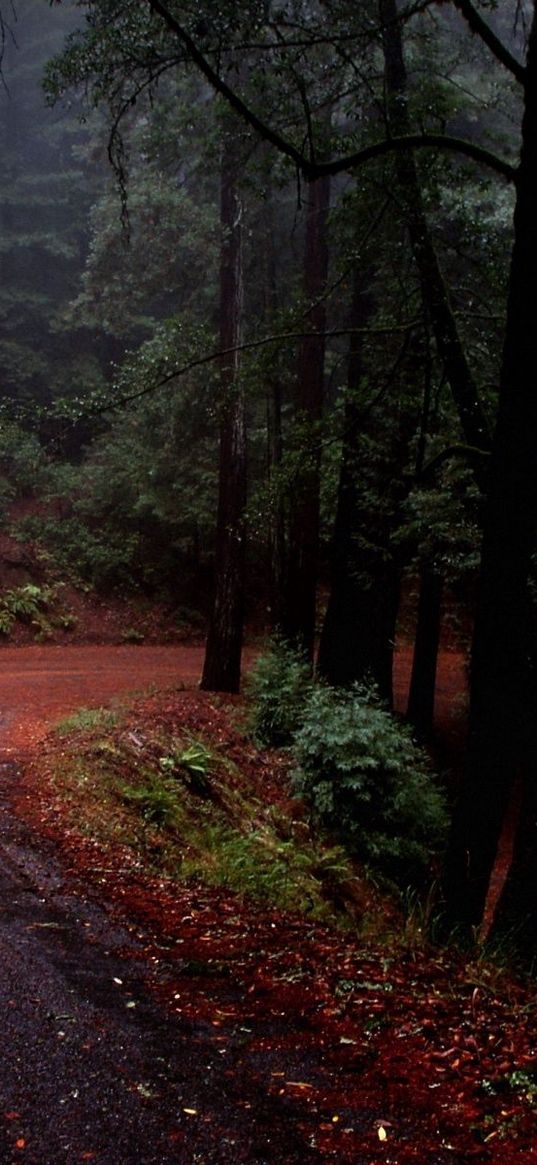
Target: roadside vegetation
[
  {"x": 293, "y": 941},
  {"x": 176, "y": 784},
  {"x": 346, "y": 819}
]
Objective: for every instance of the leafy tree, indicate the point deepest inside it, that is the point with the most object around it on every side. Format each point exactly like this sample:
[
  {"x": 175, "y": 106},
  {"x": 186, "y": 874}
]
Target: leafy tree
[{"x": 342, "y": 45}]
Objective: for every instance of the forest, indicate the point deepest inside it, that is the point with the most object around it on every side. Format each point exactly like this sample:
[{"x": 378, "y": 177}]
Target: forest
[{"x": 269, "y": 366}]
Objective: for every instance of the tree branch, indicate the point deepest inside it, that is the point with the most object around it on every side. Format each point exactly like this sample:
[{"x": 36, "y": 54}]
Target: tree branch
[
  {"x": 309, "y": 168},
  {"x": 482, "y": 29},
  {"x": 415, "y": 142},
  {"x": 468, "y": 452},
  {"x": 247, "y": 346}
]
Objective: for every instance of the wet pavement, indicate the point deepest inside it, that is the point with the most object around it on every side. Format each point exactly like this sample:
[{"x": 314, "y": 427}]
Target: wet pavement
[{"x": 92, "y": 1069}]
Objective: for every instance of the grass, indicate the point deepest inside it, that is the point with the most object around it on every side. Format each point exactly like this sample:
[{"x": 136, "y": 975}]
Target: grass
[
  {"x": 87, "y": 718},
  {"x": 186, "y": 811}
]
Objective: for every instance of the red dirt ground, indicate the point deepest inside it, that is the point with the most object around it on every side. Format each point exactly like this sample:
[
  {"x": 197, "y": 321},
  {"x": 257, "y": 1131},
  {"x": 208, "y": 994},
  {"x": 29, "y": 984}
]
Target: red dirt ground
[{"x": 41, "y": 684}]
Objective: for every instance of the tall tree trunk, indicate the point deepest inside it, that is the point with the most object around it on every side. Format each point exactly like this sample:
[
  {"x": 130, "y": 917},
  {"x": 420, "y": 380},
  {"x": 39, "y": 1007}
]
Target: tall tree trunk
[
  {"x": 450, "y": 350},
  {"x": 276, "y": 528},
  {"x": 359, "y": 625},
  {"x": 276, "y": 534},
  {"x": 420, "y": 711},
  {"x": 458, "y": 374},
  {"x": 222, "y": 666},
  {"x": 503, "y": 704},
  {"x": 299, "y": 613}
]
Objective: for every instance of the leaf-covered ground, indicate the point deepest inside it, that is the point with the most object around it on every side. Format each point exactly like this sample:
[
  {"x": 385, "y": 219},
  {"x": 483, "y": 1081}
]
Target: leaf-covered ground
[{"x": 369, "y": 1048}]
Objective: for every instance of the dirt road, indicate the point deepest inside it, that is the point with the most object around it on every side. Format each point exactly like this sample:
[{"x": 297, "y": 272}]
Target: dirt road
[
  {"x": 91, "y": 1068},
  {"x": 40, "y": 685}
]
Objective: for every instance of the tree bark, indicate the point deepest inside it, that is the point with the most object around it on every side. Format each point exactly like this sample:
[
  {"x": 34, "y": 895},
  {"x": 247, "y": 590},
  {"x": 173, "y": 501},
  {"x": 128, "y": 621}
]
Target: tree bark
[
  {"x": 503, "y": 705},
  {"x": 359, "y": 627},
  {"x": 299, "y": 608},
  {"x": 276, "y": 541},
  {"x": 222, "y": 666},
  {"x": 458, "y": 374},
  {"x": 420, "y": 711},
  {"x": 276, "y": 533},
  {"x": 450, "y": 350}
]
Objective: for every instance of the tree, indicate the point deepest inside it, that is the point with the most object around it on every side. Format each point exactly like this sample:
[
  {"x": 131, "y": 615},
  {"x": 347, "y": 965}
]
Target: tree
[
  {"x": 300, "y": 593},
  {"x": 502, "y": 714},
  {"x": 502, "y": 743},
  {"x": 222, "y": 665}
]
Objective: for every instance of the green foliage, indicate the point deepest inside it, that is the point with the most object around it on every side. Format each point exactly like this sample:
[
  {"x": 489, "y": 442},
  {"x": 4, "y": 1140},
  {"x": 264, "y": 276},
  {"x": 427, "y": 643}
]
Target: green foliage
[
  {"x": 441, "y": 523},
  {"x": 103, "y": 558},
  {"x": 87, "y": 719},
  {"x": 366, "y": 779},
  {"x": 187, "y": 812},
  {"x": 158, "y": 803},
  {"x": 140, "y": 508},
  {"x": 23, "y": 463},
  {"x": 29, "y": 603},
  {"x": 195, "y": 761},
  {"x": 46, "y": 189},
  {"x": 278, "y": 686}
]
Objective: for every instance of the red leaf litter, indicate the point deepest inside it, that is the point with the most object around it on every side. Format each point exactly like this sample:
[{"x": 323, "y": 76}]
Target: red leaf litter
[{"x": 395, "y": 1052}]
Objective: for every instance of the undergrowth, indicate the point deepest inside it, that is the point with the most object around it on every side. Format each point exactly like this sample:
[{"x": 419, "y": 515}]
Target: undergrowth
[
  {"x": 183, "y": 809},
  {"x": 278, "y": 688},
  {"x": 39, "y": 606},
  {"x": 356, "y": 765}
]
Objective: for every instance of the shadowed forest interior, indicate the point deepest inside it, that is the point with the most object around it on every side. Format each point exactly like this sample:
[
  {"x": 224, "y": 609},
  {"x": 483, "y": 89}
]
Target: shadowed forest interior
[{"x": 269, "y": 372}]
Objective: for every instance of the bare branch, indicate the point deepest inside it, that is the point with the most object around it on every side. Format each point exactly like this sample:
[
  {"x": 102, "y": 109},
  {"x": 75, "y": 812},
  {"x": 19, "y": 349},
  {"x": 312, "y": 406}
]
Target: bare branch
[{"x": 482, "y": 29}]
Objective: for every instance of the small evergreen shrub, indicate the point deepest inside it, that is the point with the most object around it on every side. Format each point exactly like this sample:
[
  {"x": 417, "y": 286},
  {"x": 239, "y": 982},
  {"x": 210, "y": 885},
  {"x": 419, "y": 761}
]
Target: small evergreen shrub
[
  {"x": 278, "y": 687},
  {"x": 366, "y": 779},
  {"x": 27, "y": 603}
]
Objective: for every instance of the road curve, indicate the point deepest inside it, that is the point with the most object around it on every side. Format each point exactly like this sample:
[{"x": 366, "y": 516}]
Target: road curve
[{"x": 41, "y": 684}]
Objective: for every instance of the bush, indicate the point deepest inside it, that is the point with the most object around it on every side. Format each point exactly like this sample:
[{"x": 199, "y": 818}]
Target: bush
[
  {"x": 366, "y": 779},
  {"x": 28, "y": 604},
  {"x": 278, "y": 686}
]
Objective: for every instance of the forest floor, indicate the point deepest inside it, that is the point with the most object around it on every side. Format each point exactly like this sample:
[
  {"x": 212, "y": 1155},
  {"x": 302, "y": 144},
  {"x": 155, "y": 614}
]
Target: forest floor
[{"x": 148, "y": 1020}]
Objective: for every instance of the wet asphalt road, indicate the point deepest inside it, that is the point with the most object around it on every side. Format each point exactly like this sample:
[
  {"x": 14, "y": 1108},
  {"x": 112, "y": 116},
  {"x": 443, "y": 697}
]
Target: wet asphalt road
[{"x": 91, "y": 1068}]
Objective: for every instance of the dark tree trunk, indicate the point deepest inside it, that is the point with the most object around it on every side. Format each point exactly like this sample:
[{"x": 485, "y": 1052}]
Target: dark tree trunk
[
  {"x": 222, "y": 666},
  {"x": 471, "y": 416},
  {"x": 503, "y": 706},
  {"x": 276, "y": 534},
  {"x": 448, "y": 345},
  {"x": 299, "y": 608},
  {"x": 276, "y": 529},
  {"x": 420, "y": 711},
  {"x": 359, "y": 625}
]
